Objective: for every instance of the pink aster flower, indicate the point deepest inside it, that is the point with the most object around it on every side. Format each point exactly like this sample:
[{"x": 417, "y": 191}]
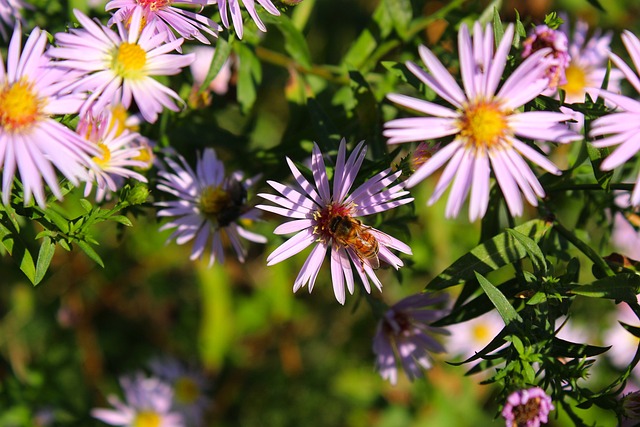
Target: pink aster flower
[
  {"x": 404, "y": 334},
  {"x": 10, "y": 14},
  {"x": 485, "y": 125},
  {"x": 118, "y": 67},
  {"x": 527, "y": 408},
  {"x": 329, "y": 221},
  {"x": 32, "y": 143},
  {"x": 557, "y": 58},
  {"x": 148, "y": 402},
  {"x": 233, "y": 7},
  {"x": 209, "y": 206},
  {"x": 165, "y": 18},
  {"x": 118, "y": 152},
  {"x": 623, "y": 126}
]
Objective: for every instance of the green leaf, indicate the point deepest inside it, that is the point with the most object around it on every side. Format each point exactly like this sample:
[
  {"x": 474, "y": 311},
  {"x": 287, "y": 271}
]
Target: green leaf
[
  {"x": 249, "y": 75},
  {"x": 122, "y": 220},
  {"x": 91, "y": 253},
  {"x": 47, "y": 249},
  {"x": 621, "y": 287},
  {"x": 501, "y": 250},
  {"x": 86, "y": 205},
  {"x": 533, "y": 250},
  {"x": 506, "y": 310},
  {"x": 597, "y": 5},
  {"x": 295, "y": 42},
  {"x": 26, "y": 262},
  {"x": 597, "y": 156},
  {"x": 220, "y": 56},
  {"x": 361, "y": 50},
  {"x": 562, "y": 348},
  {"x": 401, "y": 14},
  {"x": 498, "y": 28}
]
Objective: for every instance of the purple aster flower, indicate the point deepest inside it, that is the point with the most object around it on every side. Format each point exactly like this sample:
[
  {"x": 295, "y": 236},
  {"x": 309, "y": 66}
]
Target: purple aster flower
[
  {"x": 10, "y": 14},
  {"x": 118, "y": 67},
  {"x": 233, "y": 7},
  {"x": 32, "y": 143},
  {"x": 557, "y": 59},
  {"x": 189, "y": 385},
  {"x": 622, "y": 127},
  {"x": 527, "y": 408},
  {"x": 148, "y": 402},
  {"x": 165, "y": 18},
  {"x": 117, "y": 156},
  {"x": 485, "y": 125},
  {"x": 329, "y": 221},
  {"x": 209, "y": 208},
  {"x": 404, "y": 334}
]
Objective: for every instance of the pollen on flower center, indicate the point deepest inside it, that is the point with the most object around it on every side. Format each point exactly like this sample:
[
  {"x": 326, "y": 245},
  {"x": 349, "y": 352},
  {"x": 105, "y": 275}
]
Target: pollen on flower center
[
  {"x": 526, "y": 412},
  {"x": 147, "y": 419},
  {"x": 105, "y": 157},
  {"x": 213, "y": 200},
  {"x": 576, "y": 81},
  {"x": 186, "y": 390},
  {"x": 129, "y": 60},
  {"x": 154, "y": 5},
  {"x": 481, "y": 333},
  {"x": 483, "y": 125},
  {"x": 326, "y": 216},
  {"x": 19, "y": 106}
]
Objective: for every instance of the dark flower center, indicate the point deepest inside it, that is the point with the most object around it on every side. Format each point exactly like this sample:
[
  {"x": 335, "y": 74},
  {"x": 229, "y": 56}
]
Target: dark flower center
[{"x": 526, "y": 412}]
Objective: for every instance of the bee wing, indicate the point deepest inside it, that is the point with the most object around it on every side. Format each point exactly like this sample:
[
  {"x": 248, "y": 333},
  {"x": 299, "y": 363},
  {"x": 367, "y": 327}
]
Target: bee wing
[
  {"x": 389, "y": 241},
  {"x": 373, "y": 262}
]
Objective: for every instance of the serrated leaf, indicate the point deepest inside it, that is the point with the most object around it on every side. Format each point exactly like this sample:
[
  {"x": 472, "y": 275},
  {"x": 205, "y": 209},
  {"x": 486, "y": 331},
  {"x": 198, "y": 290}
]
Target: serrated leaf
[
  {"x": 505, "y": 309},
  {"x": 533, "y": 250},
  {"x": 621, "y": 287},
  {"x": 91, "y": 253},
  {"x": 294, "y": 41},
  {"x": 45, "y": 254},
  {"x": 501, "y": 250}
]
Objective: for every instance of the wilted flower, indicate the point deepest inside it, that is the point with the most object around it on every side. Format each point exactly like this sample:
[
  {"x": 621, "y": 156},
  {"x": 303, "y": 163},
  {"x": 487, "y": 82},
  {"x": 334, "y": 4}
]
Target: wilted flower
[
  {"x": 118, "y": 67},
  {"x": 527, "y": 408},
  {"x": 233, "y": 7},
  {"x": 623, "y": 127},
  {"x": 404, "y": 334},
  {"x": 485, "y": 124},
  {"x": 209, "y": 206},
  {"x": 330, "y": 221},
  {"x": 31, "y": 141},
  {"x": 165, "y": 18},
  {"x": 148, "y": 402},
  {"x": 557, "y": 59},
  {"x": 189, "y": 386}
]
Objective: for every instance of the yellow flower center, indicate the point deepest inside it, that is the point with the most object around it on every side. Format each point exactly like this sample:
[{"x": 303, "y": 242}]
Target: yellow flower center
[
  {"x": 147, "y": 419},
  {"x": 186, "y": 390},
  {"x": 118, "y": 118},
  {"x": 129, "y": 61},
  {"x": 19, "y": 106},
  {"x": 145, "y": 154},
  {"x": 104, "y": 159},
  {"x": 481, "y": 333},
  {"x": 154, "y": 5},
  {"x": 576, "y": 81},
  {"x": 483, "y": 125},
  {"x": 213, "y": 200}
]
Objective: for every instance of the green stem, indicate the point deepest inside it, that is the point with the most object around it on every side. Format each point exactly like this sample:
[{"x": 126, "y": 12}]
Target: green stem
[
  {"x": 584, "y": 248},
  {"x": 284, "y": 61}
]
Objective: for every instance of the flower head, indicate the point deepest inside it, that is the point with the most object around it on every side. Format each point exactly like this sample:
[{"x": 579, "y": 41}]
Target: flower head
[
  {"x": 147, "y": 403},
  {"x": 467, "y": 338},
  {"x": 10, "y": 14},
  {"x": 117, "y": 68},
  {"x": 329, "y": 221},
  {"x": 233, "y": 7},
  {"x": 209, "y": 206},
  {"x": 527, "y": 408},
  {"x": 557, "y": 59},
  {"x": 485, "y": 125},
  {"x": 32, "y": 143},
  {"x": 165, "y": 18},
  {"x": 622, "y": 127},
  {"x": 118, "y": 153},
  {"x": 404, "y": 333}
]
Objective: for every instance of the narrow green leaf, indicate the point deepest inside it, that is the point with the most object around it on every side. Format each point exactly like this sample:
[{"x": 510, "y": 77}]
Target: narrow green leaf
[
  {"x": 533, "y": 250},
  {"x": 220, "y": 56},
  {"x": 597, "y": 156},
  {"x": 501, "y": 250},
  {"x": 621, "y": 287},
  {"x": 26, "y": 262},
  {"x": 505, "y": 309},
  {"x": 295, "y": 42},
  {"x": 490, "y": 12},
  {"x": 91, "y": 253},
  {"x": 597, "y": 5},
  {"x": 498, "y": 28},
  {"x": 86, "y": 205},
  {"x": 47, "y": 249},
  {"x": 562, "y": 348},
  {"x": 401, "y": 13},
  {"x": 122, "y": 220},
  {"x": 361, "y": 50},
  {"x": 249, "y": 75}
]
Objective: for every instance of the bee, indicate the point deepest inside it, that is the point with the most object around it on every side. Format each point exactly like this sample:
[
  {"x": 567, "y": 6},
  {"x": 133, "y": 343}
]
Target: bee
[
  {"x": 350, "y": 232},
  {"x": 235, "y": 204}
]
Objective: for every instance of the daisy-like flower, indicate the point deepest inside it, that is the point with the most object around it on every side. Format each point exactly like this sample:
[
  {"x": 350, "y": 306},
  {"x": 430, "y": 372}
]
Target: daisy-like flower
[
  {"x": 118, "y": 154},
  {"x": 557, "y": 58},
  {"x": 10, "y": 14},
  {"x": 166, "y": 18},
  {"x": 209, "y": 208},
  {"x": 148, "y": 402},
  {"x": 404, "y": 334},
  {"x": 189, "y": 385},
  {"x": 32, "y": 143},
  {"x": 118, "y": 67},
  {"x": 329, "y": 221},
  {"x": 527, "y": 408},
  {"x": 485, "y": 125},
  {"x": 623, "y": 126},
  {"x": 232, "y": 7},
  {"x": 469, "y": 337}
]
